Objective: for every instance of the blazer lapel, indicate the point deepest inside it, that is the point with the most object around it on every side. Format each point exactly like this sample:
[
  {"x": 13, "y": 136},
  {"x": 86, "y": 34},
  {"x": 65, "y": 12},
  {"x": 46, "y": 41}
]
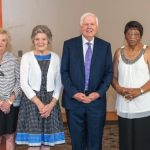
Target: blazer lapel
[
  {"x": 80, "y": 54},
  {"x": 95, "y": 53},
  {"x": 95, "y": 58}
]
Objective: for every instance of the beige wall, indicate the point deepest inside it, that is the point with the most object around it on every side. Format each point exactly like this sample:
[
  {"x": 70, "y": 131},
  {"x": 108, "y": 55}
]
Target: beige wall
[{"x": 62, "y": 16}]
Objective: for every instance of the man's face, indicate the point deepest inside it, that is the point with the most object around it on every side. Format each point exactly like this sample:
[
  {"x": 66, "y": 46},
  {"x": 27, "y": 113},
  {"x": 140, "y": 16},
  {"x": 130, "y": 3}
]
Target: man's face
[{"x": 89, "y": 27}]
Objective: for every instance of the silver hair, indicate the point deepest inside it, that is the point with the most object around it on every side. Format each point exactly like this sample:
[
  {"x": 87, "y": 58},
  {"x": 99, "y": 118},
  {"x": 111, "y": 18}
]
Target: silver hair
[
  {"x": 42, "y": 29},
  {"x": 88, "y": 14}
]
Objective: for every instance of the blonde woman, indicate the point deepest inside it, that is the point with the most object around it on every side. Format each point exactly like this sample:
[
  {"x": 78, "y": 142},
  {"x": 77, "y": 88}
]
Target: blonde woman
[{"x": 9, "y": 89}]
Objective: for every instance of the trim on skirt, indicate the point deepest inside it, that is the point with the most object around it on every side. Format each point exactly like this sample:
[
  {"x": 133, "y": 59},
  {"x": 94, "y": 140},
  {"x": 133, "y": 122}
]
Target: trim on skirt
[{"x": 38, "y": 139}]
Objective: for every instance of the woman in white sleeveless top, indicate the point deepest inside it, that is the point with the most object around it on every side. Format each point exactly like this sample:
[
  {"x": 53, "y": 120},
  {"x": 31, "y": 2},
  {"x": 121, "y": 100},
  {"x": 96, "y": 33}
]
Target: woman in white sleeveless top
[{"x": 132, "y": 82}]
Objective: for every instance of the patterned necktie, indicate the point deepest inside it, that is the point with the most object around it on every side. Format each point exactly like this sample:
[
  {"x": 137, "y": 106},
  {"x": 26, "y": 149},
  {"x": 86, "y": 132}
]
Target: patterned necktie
[{"x": 88, "y": 57}]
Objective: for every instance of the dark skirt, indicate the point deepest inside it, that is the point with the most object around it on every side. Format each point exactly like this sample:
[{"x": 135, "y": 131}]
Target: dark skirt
[
  {"x": 8, "y": 122},
  {"x": 134, "y": 134},
  {"x": 33, "y": 130}
]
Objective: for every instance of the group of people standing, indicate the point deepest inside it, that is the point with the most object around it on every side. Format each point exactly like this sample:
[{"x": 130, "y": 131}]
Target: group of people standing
[{"x": 86, "y": 71}]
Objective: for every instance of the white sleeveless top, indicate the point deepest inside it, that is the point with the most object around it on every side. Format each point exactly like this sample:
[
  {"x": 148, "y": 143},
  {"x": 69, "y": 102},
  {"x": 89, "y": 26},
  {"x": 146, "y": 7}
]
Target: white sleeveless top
[{"x": 133, "y": 74}]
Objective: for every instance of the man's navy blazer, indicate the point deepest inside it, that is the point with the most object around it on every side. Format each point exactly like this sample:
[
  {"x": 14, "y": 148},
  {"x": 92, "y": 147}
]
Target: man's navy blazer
[{"x": 73, "y": 73}]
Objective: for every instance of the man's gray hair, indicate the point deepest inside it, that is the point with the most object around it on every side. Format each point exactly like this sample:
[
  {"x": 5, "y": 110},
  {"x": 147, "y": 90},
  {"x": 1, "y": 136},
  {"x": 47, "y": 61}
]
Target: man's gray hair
[{"x": 88, "y": 14}]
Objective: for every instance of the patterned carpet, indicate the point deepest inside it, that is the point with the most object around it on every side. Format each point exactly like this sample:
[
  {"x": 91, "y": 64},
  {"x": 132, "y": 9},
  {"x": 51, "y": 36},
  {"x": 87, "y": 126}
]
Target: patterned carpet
[{"x": 110, "y": 140}]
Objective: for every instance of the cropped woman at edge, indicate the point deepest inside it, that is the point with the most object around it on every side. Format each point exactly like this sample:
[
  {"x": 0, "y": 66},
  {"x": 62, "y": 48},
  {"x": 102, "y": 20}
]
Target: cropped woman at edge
[
  {"x": 132, "y": 82},
  {"x": 9, "y": 90}
]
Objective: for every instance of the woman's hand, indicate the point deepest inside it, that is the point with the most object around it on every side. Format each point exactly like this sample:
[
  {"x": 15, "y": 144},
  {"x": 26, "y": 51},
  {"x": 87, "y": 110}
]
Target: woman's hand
[
  {"x": 40, "y": 106},
  {"x": 48, "y": 108},
  {"x": 38, "y": 103},
  {"x": 5, "y": 106},
  {"x": 122, "y": 90},
  {"x": 132, "y": 93}
]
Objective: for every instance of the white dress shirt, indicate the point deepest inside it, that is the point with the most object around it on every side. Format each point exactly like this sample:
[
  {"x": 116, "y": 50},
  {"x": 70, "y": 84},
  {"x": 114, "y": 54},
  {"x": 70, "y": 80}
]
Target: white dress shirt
[{"x": 85, "y": 46}]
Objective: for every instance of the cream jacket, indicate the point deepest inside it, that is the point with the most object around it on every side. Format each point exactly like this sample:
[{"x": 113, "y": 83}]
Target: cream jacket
[{"x": 30, "y": 75}]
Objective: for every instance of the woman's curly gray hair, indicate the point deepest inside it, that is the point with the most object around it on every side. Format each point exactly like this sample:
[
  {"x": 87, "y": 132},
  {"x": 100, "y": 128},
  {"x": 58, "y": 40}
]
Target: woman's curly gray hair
[{"x": 42, "y": 29}]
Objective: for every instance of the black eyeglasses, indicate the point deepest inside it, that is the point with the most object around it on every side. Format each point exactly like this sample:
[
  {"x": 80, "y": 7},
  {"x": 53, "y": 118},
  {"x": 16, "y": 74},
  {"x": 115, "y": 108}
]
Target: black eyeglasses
[{"x": 1, "y": 73}]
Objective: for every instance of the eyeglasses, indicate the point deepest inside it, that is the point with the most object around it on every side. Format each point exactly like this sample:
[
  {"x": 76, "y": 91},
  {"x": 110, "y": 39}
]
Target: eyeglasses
[
  {"x": 133, "y": 34},
  {"x": 1, "y": 73}
]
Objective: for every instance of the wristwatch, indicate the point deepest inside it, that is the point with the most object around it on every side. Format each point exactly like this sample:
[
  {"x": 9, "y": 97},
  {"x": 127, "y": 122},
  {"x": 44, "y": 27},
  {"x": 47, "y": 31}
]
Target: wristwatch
[{"x": 141, "y": 90}]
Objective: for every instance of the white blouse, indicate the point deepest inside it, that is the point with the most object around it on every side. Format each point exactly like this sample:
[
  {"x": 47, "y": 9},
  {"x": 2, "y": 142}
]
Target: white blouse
[{"x": 133, "y": 75}]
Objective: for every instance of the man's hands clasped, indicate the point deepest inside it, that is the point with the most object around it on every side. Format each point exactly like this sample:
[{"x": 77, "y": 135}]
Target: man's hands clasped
[{"x": 86, "y": 99}]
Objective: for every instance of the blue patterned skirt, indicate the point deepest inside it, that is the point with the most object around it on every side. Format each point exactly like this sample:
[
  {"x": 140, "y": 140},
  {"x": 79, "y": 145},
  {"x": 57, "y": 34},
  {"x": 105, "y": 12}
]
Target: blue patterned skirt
[{"x": 33, "y": 130}]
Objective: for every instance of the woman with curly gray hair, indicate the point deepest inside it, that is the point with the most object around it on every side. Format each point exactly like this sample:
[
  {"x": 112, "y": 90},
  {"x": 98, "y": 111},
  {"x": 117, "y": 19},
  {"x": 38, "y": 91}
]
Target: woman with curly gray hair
[{"x": 40, "y": 123}]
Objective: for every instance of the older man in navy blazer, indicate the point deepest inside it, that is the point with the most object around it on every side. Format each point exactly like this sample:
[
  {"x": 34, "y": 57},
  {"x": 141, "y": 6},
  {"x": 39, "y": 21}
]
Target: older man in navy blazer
[{"x": 84, "y": 96}]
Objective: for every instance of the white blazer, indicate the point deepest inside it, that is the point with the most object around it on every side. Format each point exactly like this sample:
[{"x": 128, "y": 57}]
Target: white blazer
[{"x": 30, "y": 75}]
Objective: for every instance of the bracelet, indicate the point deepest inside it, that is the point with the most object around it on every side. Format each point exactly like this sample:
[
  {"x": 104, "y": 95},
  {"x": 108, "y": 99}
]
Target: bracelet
[
  {"x": 141, "y": 90},
  {"x": 10, "y": 102}
]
